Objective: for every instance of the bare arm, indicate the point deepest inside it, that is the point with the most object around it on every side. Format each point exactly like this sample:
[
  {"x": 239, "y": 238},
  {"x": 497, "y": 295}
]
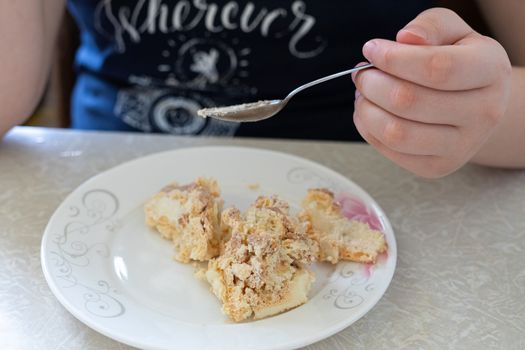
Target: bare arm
[
  {"x": 27, "y": 34},
  {"x": 506, "y": 146}
]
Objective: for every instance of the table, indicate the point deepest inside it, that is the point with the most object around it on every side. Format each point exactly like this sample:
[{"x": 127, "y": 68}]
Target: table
[{"x": 459, "y": 282}]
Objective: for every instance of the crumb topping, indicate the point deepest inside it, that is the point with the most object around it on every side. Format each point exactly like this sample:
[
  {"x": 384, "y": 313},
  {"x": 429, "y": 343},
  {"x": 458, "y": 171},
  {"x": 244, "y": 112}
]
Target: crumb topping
[
  {"x": 188, "y": 215},
  {"x": 267, "y": 251}
]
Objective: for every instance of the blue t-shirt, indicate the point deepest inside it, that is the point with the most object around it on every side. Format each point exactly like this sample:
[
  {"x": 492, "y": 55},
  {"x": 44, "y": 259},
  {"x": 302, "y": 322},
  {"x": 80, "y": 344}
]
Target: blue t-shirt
[{"x": 149, "y": 65}]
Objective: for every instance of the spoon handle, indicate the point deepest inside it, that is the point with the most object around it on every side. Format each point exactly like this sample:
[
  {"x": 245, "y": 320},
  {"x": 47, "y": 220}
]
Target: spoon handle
[{"x": 329, "y": 77}]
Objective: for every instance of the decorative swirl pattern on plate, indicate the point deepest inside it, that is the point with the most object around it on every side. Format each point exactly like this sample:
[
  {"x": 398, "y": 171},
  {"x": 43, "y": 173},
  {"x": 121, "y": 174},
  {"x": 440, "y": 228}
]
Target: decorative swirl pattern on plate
[
  {"x": 348, "y": 300},
  {"x": 101, "y": 303},
  {"x": 72, "y": 252},
  {"x": 354, "y": 294}
]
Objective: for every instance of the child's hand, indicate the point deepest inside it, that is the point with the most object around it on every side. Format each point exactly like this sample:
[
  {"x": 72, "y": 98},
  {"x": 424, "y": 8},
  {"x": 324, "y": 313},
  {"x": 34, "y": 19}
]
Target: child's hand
[{"x": 437, "y": 95}]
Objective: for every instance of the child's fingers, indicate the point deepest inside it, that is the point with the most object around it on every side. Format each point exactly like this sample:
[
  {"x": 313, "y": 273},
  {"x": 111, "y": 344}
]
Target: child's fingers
[
  {"x": 426, "y": 166},
  {"x": 403, "y": 135},
  {"x": 422, "y": 104},
  {"x": 453, "y": 68}
]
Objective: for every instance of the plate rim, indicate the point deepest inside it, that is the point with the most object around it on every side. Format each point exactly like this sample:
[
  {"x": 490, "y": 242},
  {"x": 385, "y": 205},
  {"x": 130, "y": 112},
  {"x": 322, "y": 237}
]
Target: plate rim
[{"x": 324, "y": 333}]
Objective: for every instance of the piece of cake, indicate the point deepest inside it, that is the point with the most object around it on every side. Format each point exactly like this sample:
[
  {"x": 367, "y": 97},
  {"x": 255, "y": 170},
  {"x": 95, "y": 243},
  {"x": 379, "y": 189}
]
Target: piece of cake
[
  {"x": 189, "y": 216},
  {"x": 339, "y": 238},
  {"x": 263, "y": 268}
]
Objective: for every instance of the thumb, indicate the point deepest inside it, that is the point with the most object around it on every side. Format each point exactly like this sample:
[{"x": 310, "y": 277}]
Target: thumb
[{"x": 436, "y": 26}]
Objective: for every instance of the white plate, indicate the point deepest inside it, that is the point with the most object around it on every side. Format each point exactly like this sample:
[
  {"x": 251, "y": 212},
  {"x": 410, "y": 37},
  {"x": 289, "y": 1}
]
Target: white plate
[{"x": 118, "y": 277}]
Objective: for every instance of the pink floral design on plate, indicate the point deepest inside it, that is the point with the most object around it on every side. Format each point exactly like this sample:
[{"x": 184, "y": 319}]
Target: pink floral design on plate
[{"x": 354, "y": 209}]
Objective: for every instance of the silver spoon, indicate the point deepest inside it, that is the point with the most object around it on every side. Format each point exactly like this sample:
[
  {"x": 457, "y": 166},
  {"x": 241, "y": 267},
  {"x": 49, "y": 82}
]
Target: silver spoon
[{"x": 256, "y": 111}]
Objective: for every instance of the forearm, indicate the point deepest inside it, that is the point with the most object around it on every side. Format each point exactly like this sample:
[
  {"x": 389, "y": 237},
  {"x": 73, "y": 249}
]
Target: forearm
[
  {"x": 506, "y": 146},
  {"x": 27, "y": 34}
]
